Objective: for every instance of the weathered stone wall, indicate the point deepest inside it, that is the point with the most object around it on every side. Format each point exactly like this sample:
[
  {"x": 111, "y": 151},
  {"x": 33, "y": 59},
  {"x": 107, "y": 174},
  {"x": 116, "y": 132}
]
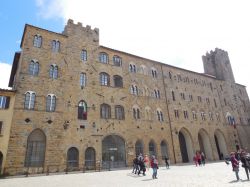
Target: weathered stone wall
[{"x": 66, "y": 130}]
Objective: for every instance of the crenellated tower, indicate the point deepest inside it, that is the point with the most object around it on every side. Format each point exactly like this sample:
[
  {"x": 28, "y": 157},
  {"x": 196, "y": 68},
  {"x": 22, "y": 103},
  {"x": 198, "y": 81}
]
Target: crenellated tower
[{"x": 217, "y": 63}]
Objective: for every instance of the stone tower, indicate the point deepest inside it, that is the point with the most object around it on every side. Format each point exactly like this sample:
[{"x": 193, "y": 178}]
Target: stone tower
[{"x": 217, "y": 63}]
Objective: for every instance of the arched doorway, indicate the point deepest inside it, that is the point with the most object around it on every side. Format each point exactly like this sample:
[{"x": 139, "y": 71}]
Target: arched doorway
[
  {"x": 113, "y": 152},
  {"x": 1, "y": 161},
  {"x": 36, "y": 146},
  {"x": 72, "y": 158},
  {"x": 186, "y": 145},
  {"x": 164, "y": 149},
  {"x": 152, "y": 148},
  {"x": 90, "y": 158},
  {"x": 220, "y": 144},
  {"x": 138, "y": 147},
  {"x": 205, "y": 145}
]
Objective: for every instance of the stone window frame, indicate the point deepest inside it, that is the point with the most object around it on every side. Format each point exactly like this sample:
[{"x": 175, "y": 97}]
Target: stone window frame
[
  {"x": 148, "y": 113},
  {"x": 55, "y": 46},
  {"x": 82, "y": 109},
  {"x": 37, "y": 41},
  {"x": 194, "y": 115},
  {"x": 118, "y": 81},
  {"x": 154, "y": 72},
  {"x": 53, "y": 71},
  {"x": 185, "y": 114},
  {"x": 84, "y": 55},
  {"x": 119, "y": 112},
  {"x": 134, "y": 89},
  {"x": 105, "y": 111},
  {"x": 30, "y": 100},
  {"x": 83, "y": 80},
  {"x": 159, "y": 115},
  {"x": 136, "y": 112},
  {"x": 4, "y": 102},
  {"x": 176, "y": 113},
  {"x": 103, "y": 58},
  {"x": 104, "y": 79},
  {"x": 34, "y": 67},
  {"x": 51, "y": 103},
  {"x": 117, "y": 61},
  {"x": 132, "y": 68}
]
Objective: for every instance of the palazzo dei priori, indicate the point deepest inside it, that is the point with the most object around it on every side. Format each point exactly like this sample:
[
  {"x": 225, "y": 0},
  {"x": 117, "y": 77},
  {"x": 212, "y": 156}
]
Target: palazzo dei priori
[{"x": 76, "y": 104}]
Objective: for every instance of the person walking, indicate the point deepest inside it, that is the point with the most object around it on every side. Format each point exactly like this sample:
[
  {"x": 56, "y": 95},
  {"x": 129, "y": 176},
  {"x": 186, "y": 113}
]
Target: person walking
[
  {"x": 166, "y": 161},
  {"x": 245, "y": 162},
  {"x": 154, "y": 166},
  {"x": 203, "y": 158},
  {"x": 146, "y": 161},
  {"x": 235, "y": 165}
]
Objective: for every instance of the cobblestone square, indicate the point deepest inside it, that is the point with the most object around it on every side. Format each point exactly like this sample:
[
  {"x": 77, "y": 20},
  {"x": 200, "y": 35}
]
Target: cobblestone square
[{"x": 213, "y": 174}]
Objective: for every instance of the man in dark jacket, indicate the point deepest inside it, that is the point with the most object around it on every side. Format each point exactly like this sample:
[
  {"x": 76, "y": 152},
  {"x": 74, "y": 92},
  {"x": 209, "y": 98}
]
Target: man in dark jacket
[{"x": 245, "y": 160}]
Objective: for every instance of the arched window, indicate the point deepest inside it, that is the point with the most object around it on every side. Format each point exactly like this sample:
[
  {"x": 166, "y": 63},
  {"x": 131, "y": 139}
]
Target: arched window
[
  {"x": 55, "y": 46},
  {"x": 72, "y": 158},
  {"x": 29, "y": 102},
  {"x": 118, "y": 81},
  {"x": 138, "y": 147},
  {"x": 170, "y": 75},
  {"x": 36, "y": 146},
  {"x": 154, "y": 73},
  {"x": 159, "y": 115},
  {"x": 105, "y": 111},
  {"x": 119, "y": 112},
  {"x": 152, "y": 148},
  {"x": 136, "y": 113},
  {"x": 34, "y": 68},
  {"x": 157, "y": 94},
  {"x": 134, "y": 90},
  {"x": 82, "y": 110},
  {"x": 83, "y": 80},
  {"x": 103, "y": 58},
  {"x": 117, "y": 60},
  {"x": 84, "y": 55},
  {"x": 132, "y": 68},
  {"x": 53, "y": 71},
  {"x": 90, "y": 160},
  {"x": 37, "y": 42},
  {"x": 104, "y": 79},
  {"x": 51, "y": 103}
]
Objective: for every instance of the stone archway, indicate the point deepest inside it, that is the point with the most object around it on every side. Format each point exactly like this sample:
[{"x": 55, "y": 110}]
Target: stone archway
[
  {"x": 220, "y": 144},
  {"x": 90, "y": 158},
  {"x": 139, "y": 147},
  {"x": 186, "y": 145},
  {"x": 113, "y": 152},
  {"x": 205, "y": 145},
  {"x": 36, "y": 146}
]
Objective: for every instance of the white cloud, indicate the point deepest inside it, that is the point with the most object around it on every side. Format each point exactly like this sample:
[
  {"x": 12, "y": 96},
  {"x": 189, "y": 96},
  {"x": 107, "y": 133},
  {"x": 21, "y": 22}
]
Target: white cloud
[
  {"x": 5, "y": 70},
  {"x": 166, "y": 30}
]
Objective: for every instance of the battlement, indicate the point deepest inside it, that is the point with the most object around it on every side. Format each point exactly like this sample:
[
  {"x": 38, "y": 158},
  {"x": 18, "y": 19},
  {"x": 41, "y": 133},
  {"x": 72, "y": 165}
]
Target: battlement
[
  {"x": 217, "y": 63},
  {"x": 72, "y": 29}
]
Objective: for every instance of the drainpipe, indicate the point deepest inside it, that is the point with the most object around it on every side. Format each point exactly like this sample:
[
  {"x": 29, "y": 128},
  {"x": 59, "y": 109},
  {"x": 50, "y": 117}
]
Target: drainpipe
[{"x": 170, "y": 124}]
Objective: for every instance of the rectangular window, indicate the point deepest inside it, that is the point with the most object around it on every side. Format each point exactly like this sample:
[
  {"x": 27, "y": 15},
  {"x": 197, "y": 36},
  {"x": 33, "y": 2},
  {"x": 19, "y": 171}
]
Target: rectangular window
[
  {"x": 194, "y": 115},
  {"x": 4, "y": 102},
  {"x": 199, "y": 99},
  {"x": 185, "y": 114},
  {"x": 190, "y": 97},
  {"x": 183, "y": 96},
  {"x": 1, "y": 127},
  {"x": 215, "y": 104},
  {"x": 176, "y": 113}
]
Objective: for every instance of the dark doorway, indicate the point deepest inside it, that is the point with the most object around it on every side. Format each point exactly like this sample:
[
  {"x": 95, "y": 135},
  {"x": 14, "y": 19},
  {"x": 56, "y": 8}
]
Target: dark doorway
[
  {"x": 201, "y": 143},
  {"x": 73, "y": 158},
  {"x": 220, "y": 154},
  {"x": 113, "y": 152},
  {"x": 90, "y": 158},
  {"x": 183, "y": 147}
]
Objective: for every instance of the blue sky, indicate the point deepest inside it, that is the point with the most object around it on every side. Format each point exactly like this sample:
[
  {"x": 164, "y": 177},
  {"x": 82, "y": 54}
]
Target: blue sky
[
  {"x": 175, "y": 32},
  {"x": 14, "y": 14}
]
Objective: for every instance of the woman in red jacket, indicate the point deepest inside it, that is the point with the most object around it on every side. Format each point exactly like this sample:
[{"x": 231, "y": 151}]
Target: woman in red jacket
[{"x": 235, "y": 165}]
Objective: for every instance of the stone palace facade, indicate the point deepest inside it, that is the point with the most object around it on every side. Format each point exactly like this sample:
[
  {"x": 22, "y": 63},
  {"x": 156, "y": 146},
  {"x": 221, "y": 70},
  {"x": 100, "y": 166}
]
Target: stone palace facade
[{"x": 79, "y": 104}]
